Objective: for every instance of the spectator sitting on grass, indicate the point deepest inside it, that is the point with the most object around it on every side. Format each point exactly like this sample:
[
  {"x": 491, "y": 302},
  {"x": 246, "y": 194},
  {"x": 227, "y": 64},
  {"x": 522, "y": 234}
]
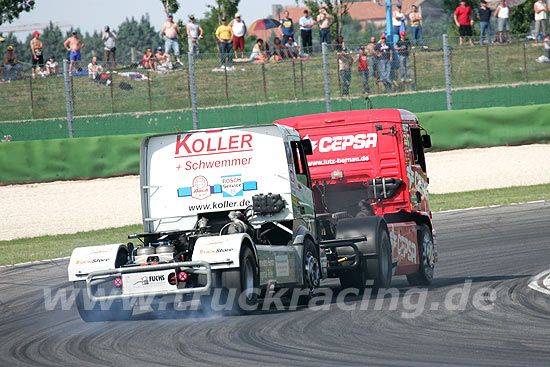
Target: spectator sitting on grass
[
  {"x": 95, "y": 70},
  {"x": 278, "y": 48},
  {"x": 164, "y": 60},
  {"x": 292, "y": 49},
  {"x": 149, "y": 60},
  {"x": 51, "y": 66},
  {"x": 257, "y": 54},
  {"x": 11, "y": 63}
]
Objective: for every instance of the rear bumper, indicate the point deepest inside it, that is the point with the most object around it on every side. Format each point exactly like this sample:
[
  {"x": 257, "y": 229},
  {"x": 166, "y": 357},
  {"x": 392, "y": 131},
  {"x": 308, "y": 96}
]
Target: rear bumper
[{"x": 190, "y": 267}]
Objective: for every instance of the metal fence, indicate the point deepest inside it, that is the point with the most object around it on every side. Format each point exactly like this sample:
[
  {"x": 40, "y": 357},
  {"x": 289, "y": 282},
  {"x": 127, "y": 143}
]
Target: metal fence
[{"x": 213, "y": 89}]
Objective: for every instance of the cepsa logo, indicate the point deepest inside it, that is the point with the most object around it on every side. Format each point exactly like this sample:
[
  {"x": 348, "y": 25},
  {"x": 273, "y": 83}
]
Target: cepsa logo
[
  {"x": 339, "y": 143},
  {"x": 192, "y": 145}
]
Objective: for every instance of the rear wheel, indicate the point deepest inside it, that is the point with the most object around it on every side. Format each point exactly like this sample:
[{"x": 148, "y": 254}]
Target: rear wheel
[
  {"x": 380, "y": 268},
  {"x": 426, "y": 255},
  {"x": 243, "y": 281}
]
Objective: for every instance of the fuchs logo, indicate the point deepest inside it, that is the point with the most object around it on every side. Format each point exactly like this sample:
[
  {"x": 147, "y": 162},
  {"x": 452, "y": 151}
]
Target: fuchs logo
[
  {"x": 339, "y": 143},
  {"x": 145, "y": 280},
  {"x": 200, "y": 189},
  {"x": 189, "y": 147}
]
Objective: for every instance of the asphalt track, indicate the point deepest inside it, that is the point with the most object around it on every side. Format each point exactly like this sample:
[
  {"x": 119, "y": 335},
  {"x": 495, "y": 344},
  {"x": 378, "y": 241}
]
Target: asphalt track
[{"x": 500, "y": 248}]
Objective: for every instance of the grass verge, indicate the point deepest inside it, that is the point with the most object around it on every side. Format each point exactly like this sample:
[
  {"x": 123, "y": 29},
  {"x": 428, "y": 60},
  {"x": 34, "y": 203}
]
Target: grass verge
[{"x": 47, "y": 247}]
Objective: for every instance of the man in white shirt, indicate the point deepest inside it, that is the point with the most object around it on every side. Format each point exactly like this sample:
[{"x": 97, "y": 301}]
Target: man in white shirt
[
  {"x": 194, "y": 34},
  {"x": 239, "y": 31},
  {"x": 306, "y": 29},
  {"x": 503, "y": 17},
  {"x": 540, "y": 19}
]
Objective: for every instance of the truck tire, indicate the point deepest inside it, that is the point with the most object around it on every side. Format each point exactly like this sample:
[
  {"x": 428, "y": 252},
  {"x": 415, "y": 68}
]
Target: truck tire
[
  {"x": 425, "y": 274},
  {"x": 245, "y": 282},
  {"x": 95, "y": 313},
  {"x": 380, "y": 268},
  {"x": 311, "y": 268}
]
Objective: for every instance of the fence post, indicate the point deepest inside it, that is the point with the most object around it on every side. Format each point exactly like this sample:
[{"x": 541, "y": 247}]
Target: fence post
[
  {"x": 68, "y": 99},
  {"x": 112, "y": 96},
  {"x": 447, "y": 72},
  {"x": 294, "y": 78},
  {"x": 226, "y": 85},
  {"x": 414, "y": 70},
  {"x": 265, "y": 84},
  {"x": 133, "y": 55},
  {"x": 488, "y": 64},
  {"x": 302, "y": 77},
  {"x": 32, "y": 99},
  {"x": 193, "y": 89},
  {"x": 525, "y": 62},
  {"x": 326, "y": 76},
  {"x": 149, "y": 91}
]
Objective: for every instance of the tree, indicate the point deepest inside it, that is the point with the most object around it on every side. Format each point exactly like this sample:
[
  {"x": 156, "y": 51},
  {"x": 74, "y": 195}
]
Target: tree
[
  {"x": 10, "y": 9},
  {"x": 339, "y": 9},
  {"x": 212, "y": 19},
  {"x": 170, "y": 6}
]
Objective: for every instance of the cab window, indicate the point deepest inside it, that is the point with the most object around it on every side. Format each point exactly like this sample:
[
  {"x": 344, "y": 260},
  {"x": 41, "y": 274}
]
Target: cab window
[
  {"x": 300, "y": 163},
  {"x": 418, "y": 150}
]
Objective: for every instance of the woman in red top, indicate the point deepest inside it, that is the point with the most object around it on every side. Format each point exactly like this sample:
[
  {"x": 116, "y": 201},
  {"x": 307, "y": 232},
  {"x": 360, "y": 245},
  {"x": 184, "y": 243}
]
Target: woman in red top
[{"x": 363, "y": 65}]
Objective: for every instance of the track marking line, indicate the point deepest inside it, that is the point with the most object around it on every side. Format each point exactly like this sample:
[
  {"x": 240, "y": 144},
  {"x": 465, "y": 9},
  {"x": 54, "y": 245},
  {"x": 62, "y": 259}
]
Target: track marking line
[
  {"x": 34, "y": 262},
  {"x": 541, "y": 282},
  {"x": 491, "y": 206}
]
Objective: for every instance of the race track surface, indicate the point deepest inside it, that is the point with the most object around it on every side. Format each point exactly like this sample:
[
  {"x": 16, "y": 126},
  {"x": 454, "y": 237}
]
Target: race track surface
[{"x": 499, "y": 248}]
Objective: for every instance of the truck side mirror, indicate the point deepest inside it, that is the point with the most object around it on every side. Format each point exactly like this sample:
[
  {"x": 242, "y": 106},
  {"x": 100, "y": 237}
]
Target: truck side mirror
[
  {"x": 426, "y": 141},
  {"x": 306, "y": 145}
]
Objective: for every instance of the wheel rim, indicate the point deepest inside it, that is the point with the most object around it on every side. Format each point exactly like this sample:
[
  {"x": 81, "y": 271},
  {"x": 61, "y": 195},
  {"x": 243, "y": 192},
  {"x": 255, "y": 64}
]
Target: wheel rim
[
  {"x": 249, "y": 280},
  {"x": 429, "y": 250},
  {"x": 312, "y": 270}
]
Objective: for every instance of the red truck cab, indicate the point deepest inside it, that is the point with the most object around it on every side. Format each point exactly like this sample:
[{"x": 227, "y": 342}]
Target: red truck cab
[{"x": 371, "y": 164}]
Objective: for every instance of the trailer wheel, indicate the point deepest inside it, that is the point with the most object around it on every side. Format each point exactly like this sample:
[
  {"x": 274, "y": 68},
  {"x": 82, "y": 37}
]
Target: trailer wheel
[
  {"x": 244, "y": 281},
  {"x": 94, "y": 312},
  {"x": 425, "y": 274},
  {"x": 380, "y": 268}
]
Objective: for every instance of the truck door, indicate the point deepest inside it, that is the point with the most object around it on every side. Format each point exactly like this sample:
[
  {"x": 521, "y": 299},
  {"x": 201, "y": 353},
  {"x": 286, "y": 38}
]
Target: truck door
[
  {"x": 302, "y": 198},
  {"x": 416, "y": 172}
]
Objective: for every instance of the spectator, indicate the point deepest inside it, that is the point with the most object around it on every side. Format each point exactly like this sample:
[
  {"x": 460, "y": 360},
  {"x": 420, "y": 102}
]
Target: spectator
[
  {"x": 344, "y": 68},
  {"x": 278, "y": 48},
  {"x": 51, "y": 66},
  {"x": 239, "y": 32},
  {"x": 416, "y": 26},
  {"x": 95, "y": 70},
  {"x": 540, "y": 19},
  {"x": 164, "y": 60},
  {"x": 286, "y": 27},
  {"x": 484, "y": 17},
  {"x": 109, "y": 39},
  {"x": 171, "y": 31},
  {"x": 224, "y": 33},
  {"x": 258, "y": 51},
  {"x": 398, "y": 20},
  {"x": 292, "y": 49},
  {"x": 463, "y": 20},
  {"x": 547, "y": 46},
  {"x": 403, "y": 47},
  {"x": 373, "y": 60},
  {"x": 11, "y": 63},
  {"x": 306, "y": 30},
  {"x": 149, "y": 60},
  {"x": 503, "y": 17},
  {"x": 37, "y": 57},
  {"x": 385, "y": 58},
  {"x": 363, "y": 66},
  {"x": 194, "y": 34},
  {"x": 73, "y": 44},
  {"x": 324, "y": 19}
]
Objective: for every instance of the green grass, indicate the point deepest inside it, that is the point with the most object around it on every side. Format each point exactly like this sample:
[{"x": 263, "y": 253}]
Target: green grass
[{"x": 47, "y": 247}]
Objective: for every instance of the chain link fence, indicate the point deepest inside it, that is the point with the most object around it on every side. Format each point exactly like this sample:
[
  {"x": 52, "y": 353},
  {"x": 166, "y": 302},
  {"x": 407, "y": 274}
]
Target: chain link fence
[{"x": 208, "y": 90}]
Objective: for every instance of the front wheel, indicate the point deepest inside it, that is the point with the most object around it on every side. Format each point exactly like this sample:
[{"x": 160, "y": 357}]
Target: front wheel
[{"x": 426, "y": 255}]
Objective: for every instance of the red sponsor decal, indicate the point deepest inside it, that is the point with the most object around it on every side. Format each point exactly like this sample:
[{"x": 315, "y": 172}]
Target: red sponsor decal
[{"x": 187, "y": 146}]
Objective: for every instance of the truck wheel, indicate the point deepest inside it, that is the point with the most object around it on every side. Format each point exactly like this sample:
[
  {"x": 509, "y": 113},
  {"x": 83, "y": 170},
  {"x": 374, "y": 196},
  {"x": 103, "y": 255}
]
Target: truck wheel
[
  {"x": 312, "y": 268},
  {"x": 380, "y": 268},
  {"x": 93, "y": 312},
  {"x": 425, "y": 274},
  {"x": 355, "y": 278},
  {"x": 244, "y": 280}
]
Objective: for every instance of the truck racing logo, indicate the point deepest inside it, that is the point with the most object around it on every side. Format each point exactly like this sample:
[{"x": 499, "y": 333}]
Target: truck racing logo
[
  {"x": 339, "y": 143},
  {"x": 198, "y": 146}
]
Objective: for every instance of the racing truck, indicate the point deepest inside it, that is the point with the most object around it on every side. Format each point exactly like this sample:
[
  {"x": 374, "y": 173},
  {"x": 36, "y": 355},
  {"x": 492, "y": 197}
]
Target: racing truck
[
  {"x": 229, "y": 209},
  {"x": 370, "y": 181}
]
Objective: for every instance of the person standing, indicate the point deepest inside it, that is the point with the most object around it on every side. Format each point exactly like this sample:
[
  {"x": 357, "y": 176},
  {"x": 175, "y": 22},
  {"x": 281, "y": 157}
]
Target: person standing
[
  {"x": 385, "y": 58},
  {"x": 37, "y": 57},
  {"x": 463, "y": 20},
  {"x": 239, "y": 32},
  {"x": 344, "y": 68},
  {"x": 398, "y": 19},
  {"x": 224, "y": 34},
  {"x": 324, "y": 19},
  {"x": 540, "y": 19},
  {"x": 286, "y": 27},
  {"x": 194, "y": 34},
  {"x": 373, "y": 59},
  {"x": 109, "y": 39},
  {"x": 416, "y": 26},
  {"x": 171, "y": 31},
  {"x": 403, "y": 47},
  {"x": 503, "y": 17},
  {"x": 363, "y": 66},
  {"x": 484, "y": 17},
  {"x": 73, "y": 44},
  {"x": 306, "y": 31}
]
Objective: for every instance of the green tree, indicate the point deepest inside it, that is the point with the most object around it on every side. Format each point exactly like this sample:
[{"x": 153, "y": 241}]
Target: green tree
[
  {"x": 170, "y": 6},
  {"x": 10, "y": 9},
  {"x": 339, "y": 9},
  {"x": 212, "y": 19},
  {"x": 522, "y": 16}
]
